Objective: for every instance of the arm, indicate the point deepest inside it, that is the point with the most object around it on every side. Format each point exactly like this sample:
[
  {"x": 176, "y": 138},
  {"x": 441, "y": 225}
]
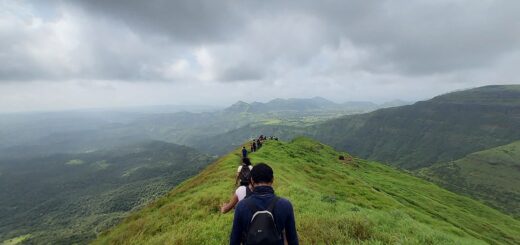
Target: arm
[
  {"x": 290, "y": 227},
  {"x": 230, "y": 205},
  {"x": 236, "y": 231},
  {"x": 236, "y": 179}
]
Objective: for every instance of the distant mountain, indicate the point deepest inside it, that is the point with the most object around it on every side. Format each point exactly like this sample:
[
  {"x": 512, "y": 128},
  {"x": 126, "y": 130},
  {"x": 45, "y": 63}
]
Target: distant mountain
[
  {"x": 301, "y": 105},
  {"x": 492, "y": 176},
  {"x": 238, "y": 107},
  {"x": 69, "y": 198},
  {"x": 445, "y": 128},
  {"x": 351, "y": 201},
  {"x": 315, "y": 103},
  {"x": 394, "y": 103}
]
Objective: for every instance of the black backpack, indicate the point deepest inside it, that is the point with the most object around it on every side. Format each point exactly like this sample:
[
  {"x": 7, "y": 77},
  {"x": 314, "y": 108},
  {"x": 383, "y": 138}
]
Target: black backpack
[
  {"x": 262, "y": 228},
  {"x": 244, "y": 175}
]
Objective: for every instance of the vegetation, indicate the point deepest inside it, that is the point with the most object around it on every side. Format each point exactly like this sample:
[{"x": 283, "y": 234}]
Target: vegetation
[
  {"x": 443, "y": 129},
  {"x": 491, "y": 176},
  {"x": 69, "y": 198},
  {"x": 349, "y": 201}
]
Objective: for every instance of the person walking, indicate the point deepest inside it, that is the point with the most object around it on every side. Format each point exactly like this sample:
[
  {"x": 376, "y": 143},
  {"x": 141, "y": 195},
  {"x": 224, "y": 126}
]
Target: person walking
[
  {"x": 243, "y": 175},
  {"x": 263, "y": 218},
  {"x": 244, "y": 152}
]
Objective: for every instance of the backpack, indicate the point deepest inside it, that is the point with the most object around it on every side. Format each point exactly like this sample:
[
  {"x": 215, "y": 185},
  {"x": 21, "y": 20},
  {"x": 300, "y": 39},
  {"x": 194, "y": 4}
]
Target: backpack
[
  {"x": 244, "y": 175},
  {"x": 262, "y": 228}
]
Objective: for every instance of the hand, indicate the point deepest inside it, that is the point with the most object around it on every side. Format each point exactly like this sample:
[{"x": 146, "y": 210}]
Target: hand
[{"x": 223, "y": 208}]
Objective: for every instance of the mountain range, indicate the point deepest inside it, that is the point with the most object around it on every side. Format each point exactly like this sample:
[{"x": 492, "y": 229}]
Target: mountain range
[{"x": 90, "y": 169}]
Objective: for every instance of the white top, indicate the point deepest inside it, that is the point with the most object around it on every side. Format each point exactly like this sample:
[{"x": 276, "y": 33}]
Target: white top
[
  {"x": 240, "y": 168},
  {"x": 241, "y": 192}
]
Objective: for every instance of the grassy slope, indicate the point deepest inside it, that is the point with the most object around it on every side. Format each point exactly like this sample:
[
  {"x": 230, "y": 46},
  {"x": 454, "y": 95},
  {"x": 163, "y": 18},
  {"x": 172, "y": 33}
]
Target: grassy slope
[
  {"x": 356, "y": 202},
  {"x": 490, "y": 175},
  {"x": 442, "y": 129}
]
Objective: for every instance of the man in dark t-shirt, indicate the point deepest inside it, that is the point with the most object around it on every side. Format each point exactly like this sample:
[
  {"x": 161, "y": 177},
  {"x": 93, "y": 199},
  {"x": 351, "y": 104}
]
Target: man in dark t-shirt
[{"x": 263, "y": 194}]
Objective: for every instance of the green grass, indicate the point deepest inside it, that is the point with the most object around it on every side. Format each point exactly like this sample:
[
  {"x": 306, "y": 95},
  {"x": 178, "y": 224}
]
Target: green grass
[
  {"x": 74, "y": 162},
  {"x": 16, "y": 240},
  {"x": 490, "y": 175},
  {"x": 442, "y": 129},
  {"x": 335, "y": 202}
]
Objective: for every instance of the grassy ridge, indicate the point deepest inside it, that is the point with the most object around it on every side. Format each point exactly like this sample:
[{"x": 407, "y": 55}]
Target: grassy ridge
[
  {"x": 335, "y": 202},
  {"x": 490, "y": 175}
]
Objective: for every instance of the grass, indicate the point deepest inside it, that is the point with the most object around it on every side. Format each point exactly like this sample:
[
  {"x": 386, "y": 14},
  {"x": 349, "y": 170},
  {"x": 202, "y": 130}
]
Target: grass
[
  {"x": 336, "y": 202},
  {"x": 16, "y": 240},
  {"x": 490, "y": 175}
]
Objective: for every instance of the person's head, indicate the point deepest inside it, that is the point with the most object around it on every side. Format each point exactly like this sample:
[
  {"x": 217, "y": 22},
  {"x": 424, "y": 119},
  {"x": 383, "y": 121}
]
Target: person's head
[
  {"x": 243, "y": 147},
  {"x": 246, "y": 161},
  {"x": 262, "y": 174}
]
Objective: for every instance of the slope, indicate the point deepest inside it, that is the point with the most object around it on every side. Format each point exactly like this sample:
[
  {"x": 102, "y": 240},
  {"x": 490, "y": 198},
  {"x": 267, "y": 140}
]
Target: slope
[
  {"x": 335, "y": 202},
  {"x": 68, "y": 198},
  {"x": 445, "y": 128},
  {"x": 491, "y": 175}
]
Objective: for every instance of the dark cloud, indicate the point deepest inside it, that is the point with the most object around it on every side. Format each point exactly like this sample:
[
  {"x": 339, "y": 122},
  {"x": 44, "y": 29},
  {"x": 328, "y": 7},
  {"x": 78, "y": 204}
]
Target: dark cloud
[
  {"x": 132, "y": 40},
  {"x": 197, "y": 22},
  {"x": 294, "y": 47}
]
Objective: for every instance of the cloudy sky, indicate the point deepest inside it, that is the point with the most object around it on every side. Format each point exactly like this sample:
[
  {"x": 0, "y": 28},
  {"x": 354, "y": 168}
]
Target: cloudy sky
[{"x": 107, "y": 53}]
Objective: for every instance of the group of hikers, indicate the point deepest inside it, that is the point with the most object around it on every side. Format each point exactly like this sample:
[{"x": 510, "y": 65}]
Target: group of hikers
[
  {"x": 260, "y": 216},
  {"x": 256, "y": 144}
]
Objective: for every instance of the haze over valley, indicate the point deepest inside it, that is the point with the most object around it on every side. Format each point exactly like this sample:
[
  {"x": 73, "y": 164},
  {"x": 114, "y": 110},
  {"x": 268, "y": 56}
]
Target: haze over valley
[{"x": 383, "y": 122}]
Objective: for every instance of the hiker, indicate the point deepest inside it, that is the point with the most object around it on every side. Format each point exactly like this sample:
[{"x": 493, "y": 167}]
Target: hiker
[
  {"x": 254, "y": 145},
  {"x": 244, "y": 189},
  {"x": 258, "y": 144},
  {"x": 263, "y": 218},
  {"x": 244, "y": 172},
  {"x": 244, "y": 152},
  {"x": 252, "y": 148},
  {"x": 240, "y": 194}
]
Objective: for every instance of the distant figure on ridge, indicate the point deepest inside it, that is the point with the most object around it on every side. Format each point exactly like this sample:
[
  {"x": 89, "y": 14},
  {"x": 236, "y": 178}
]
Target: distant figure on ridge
[
  {"x": 254, "y": 145},
  {"x": 258, "y": 144},
  {"x": 263, "y": 218},
  {"x": 244, "y": 152}
]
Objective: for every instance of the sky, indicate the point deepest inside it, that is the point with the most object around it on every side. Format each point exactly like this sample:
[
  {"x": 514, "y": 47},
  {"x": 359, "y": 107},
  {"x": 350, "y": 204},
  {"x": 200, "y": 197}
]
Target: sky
[{"x": 58, "y": 55}]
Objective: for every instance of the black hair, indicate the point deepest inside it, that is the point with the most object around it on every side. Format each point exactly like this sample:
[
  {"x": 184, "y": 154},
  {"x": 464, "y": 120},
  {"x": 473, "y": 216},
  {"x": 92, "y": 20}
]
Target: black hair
[
  {"x": 262, "y": 173},
  {"x": 246, "y": 161}
]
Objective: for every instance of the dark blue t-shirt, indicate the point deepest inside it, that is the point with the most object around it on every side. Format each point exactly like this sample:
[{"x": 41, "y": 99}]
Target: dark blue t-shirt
[{"x": 283, "y": 215}]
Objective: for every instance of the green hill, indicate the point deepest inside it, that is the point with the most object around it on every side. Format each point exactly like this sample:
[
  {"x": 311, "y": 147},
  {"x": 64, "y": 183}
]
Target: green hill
[
  {"x": 335, "y": 202},
  {"x": 442, "y": 129},
  {"x": 69, "y": 198},
  {"x": 491, "y": 175}
]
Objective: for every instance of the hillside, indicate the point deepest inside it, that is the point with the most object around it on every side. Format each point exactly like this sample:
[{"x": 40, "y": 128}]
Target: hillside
[
  {"x": 69, "y": 198},
  {"x": 490, "y": 175},
  {"x": 338, "y": 202},
  {"x": 442, "y": 129}
]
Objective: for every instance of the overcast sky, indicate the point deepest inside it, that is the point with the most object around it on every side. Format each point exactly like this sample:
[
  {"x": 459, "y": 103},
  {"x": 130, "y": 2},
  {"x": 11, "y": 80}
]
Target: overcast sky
[{"x": 79, "y": 54}]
